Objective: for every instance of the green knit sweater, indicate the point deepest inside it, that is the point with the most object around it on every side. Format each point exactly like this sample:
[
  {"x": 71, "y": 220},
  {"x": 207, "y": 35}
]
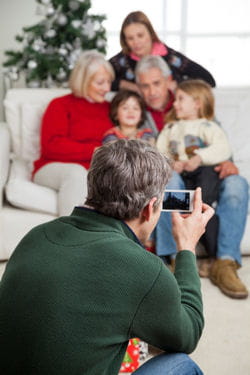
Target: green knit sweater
[{"x": 77, "y": 288}]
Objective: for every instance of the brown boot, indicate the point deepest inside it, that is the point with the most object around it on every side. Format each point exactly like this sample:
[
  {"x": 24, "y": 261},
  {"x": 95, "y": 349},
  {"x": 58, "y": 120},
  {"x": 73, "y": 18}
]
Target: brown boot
[
  {"x": 223, "y": 273},
  {"x": 204, "y": 266}
]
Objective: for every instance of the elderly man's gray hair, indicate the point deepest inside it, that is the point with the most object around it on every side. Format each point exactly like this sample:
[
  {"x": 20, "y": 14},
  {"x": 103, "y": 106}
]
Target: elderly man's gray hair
[
  {"x": 149, "y": 62},
  {"x": 124, "y": 176}
]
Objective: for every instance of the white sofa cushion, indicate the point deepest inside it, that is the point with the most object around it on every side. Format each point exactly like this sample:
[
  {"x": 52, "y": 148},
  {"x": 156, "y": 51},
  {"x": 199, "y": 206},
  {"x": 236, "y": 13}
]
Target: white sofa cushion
[
  {"x": 22, "y": 192},
  {"x": 4, "y": 158},
  {"x": 24, "y": 109},
  {"x": 31, "y": 115}
]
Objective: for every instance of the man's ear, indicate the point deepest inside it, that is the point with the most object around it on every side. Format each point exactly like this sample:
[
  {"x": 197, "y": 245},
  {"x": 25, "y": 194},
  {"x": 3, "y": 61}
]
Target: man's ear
[{"x": 149, "y": 209}]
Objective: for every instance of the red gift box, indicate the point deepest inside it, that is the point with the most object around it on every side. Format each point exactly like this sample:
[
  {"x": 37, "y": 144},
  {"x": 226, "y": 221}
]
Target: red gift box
[{"x": 131, "y": 359}]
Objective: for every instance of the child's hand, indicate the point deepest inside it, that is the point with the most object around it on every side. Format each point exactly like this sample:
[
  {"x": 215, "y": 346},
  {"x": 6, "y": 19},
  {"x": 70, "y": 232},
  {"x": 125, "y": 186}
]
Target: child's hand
[
  {"x": 192, "y": 163},
  {"x": 179, "y": 166}
]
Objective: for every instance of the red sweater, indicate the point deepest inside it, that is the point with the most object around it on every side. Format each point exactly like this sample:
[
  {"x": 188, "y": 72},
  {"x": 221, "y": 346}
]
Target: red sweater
[
  {"x": 71, "y": 130},
  {"x": 159, "y": 116}
]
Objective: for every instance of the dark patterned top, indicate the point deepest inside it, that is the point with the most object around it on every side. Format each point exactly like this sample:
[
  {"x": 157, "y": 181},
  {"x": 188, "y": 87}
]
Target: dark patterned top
[{"x": 182, "y": 68}]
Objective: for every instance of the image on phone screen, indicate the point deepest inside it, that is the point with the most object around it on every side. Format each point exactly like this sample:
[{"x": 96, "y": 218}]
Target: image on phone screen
[{"x": 178, "y": 200}]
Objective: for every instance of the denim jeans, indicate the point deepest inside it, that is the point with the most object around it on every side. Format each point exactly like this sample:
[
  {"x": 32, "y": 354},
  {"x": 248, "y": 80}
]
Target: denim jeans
[
  {"x": 169, "y": 364},
  {"x": 231, "y": 209}
]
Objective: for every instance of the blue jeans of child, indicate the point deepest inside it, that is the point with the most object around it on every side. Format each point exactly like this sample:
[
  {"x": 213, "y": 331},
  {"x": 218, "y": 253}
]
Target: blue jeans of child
[
  {"x": 231, "y": 209},
  {"x": 169, "y": 364}
]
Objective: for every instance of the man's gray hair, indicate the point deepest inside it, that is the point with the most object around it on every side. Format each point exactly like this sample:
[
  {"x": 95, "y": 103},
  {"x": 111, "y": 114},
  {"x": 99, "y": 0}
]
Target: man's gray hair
[
  {"x": 124, "y": 176},
  {"x": 149, "y": 62}
]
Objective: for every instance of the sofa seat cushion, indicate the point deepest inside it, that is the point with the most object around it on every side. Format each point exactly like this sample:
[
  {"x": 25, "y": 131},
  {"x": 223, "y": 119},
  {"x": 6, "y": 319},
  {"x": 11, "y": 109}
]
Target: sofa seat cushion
[
  {"x": 23, "y": 110},
  {"x": 22, "y": 192}
]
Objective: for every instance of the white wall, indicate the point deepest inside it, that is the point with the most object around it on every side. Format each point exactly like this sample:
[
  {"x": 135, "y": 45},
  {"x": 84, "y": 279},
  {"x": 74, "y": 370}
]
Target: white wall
[{"x": 14, "y": 15}]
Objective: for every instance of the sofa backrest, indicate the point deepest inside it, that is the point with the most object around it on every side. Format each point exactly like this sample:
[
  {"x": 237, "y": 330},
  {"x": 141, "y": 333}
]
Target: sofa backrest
[
  {"x": 233, "y": 112},
  {"x": 23, "y": 111}
]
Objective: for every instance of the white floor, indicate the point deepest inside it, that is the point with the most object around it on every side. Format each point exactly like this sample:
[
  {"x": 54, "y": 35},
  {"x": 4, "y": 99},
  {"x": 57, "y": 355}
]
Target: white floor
[{"x": 224, "y": 346}]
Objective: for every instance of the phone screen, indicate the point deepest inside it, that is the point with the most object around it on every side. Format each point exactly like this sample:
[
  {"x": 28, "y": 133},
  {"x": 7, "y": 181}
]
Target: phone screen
[{"x": 178, "y": 200}]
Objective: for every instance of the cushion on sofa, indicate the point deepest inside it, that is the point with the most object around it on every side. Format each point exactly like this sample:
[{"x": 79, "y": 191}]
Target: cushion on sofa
[
  {"x": 24, "y": 109},
  {"x": 31, "y": 116},
  {"x": 13, "y": 119},
  {"x": 22, "y": 192}
]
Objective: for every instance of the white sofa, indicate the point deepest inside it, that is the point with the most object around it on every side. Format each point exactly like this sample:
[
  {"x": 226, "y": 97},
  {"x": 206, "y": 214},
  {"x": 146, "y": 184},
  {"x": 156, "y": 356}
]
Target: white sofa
[{"x": 24, "y": 204}]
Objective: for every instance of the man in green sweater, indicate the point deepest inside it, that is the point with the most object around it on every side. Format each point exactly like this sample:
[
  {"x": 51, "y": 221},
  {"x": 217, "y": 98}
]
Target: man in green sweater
[{"x": 78, "y": 288}]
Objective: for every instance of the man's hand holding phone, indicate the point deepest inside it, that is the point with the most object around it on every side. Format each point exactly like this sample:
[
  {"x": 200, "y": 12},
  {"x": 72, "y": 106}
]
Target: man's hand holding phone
[
  {"x": 188, "y": 228},
  {"x": 178, "y": 200}
]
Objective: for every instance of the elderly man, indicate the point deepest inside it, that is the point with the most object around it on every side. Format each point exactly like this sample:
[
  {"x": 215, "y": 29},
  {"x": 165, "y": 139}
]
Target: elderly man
[
  {"x": 78, "y": 288},
  {"x": 155, "y": 81}
]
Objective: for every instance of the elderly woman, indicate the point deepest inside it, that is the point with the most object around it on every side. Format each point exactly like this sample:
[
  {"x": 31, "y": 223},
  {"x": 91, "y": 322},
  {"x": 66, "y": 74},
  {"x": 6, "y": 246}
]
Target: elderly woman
[
  {"x": 138, "y": 39},
  {"x": 72, "y": 127}
]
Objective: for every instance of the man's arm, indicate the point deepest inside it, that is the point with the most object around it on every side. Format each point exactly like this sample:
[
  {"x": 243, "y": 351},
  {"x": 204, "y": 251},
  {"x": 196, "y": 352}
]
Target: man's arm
[
  {"x": 184, "y": 68},
  {"x": 170, "y": 315}
]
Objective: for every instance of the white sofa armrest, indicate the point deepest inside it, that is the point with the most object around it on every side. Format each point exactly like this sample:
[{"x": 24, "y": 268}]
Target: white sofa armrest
[{"x": 4, "y": 157}]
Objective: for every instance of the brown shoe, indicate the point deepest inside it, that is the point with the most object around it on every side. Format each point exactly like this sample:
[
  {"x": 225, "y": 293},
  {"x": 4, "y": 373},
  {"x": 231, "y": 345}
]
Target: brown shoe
[
  {"x": 204, "y": 266},
  {"x": 223, "y": 273}
]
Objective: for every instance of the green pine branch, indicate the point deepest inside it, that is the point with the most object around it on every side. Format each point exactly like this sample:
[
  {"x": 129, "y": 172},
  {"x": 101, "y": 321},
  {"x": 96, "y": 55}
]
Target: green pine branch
[{"x": 40, "y": 56}]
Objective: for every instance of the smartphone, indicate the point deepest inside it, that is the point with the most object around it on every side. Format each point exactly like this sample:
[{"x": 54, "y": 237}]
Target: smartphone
[{"x": 178, "y": 200}]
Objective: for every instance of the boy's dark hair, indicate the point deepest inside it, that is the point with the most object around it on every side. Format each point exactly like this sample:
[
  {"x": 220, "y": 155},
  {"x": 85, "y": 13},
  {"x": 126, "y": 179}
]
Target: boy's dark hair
[{"x": 122, "y": 96}]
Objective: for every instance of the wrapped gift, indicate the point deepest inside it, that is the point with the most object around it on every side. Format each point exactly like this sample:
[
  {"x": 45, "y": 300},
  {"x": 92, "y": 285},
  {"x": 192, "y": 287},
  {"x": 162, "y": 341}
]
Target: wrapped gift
[{"x": 131, "y": 359}]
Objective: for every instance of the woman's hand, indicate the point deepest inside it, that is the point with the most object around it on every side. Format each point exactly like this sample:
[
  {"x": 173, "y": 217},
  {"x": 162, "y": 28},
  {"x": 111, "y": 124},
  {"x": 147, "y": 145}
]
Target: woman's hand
[{"x": 188, "y": 228}]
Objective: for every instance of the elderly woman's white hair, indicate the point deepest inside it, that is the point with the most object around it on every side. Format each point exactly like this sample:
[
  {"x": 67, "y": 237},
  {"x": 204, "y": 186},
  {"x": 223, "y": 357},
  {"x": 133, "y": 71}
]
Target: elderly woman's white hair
[{"x": 86, "y": 66}]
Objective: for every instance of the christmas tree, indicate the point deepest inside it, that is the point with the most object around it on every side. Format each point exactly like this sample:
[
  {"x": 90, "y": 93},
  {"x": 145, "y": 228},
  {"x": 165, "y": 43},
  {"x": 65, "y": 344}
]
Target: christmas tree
[{"x": 51, "y": 47}]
